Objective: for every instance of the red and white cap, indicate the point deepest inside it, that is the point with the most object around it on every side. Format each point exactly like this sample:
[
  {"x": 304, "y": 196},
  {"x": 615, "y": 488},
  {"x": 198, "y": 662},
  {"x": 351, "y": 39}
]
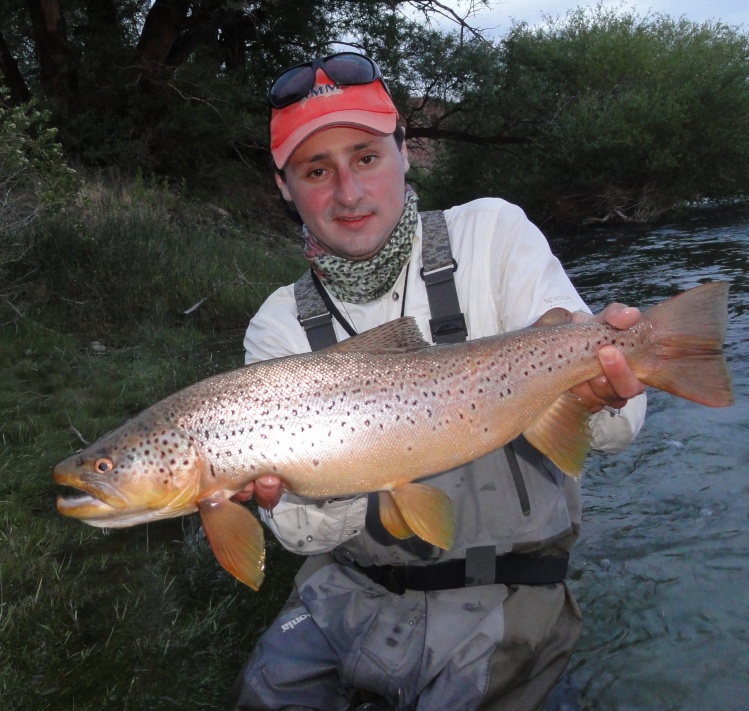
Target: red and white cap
[{"x": 365, "y": 106}]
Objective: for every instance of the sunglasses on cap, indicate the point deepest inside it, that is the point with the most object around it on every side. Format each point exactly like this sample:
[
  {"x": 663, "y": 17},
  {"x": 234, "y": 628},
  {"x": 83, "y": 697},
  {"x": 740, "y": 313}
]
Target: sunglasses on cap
[{"x": 344, "y": 68}]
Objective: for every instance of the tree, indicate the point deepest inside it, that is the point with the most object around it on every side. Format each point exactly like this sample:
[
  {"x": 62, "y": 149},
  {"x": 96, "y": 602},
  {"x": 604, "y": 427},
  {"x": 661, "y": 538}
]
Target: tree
[
  {"x": 172, "y": 86},
  {"x": 628, "y": 118},
  {"x": 600, "y": 115}
]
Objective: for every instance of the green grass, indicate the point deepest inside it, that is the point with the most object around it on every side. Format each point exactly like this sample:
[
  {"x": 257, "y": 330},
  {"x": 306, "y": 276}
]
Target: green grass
[
  {"x": 138, "y": 618},
  {"x": 126, "y": 256}
]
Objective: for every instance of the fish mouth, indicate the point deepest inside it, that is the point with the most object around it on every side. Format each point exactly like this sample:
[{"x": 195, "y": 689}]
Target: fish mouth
[
  {"x": 87, "y": 508},
  {"x": 95, "y": 512},
  {"x": 100, "y": 504}
]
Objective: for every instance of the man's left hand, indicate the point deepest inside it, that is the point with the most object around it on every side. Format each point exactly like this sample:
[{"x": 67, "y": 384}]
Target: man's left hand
[{"x": 618, "y": 383}]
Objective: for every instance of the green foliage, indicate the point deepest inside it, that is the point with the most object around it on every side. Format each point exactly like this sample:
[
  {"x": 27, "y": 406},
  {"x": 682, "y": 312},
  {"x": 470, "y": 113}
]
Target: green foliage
[
  {"x": 185, "y": 115},
  {"x": 34, "y": 176},
  {"x": 624, "y": 117}
]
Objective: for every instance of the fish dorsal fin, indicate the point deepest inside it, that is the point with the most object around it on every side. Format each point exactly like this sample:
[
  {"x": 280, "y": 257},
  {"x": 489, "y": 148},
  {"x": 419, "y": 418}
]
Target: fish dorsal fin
[
  {"x": 399, "y": 336},
  {"x": 562, "y": 433},
  {"x": 554, "y": 317}
]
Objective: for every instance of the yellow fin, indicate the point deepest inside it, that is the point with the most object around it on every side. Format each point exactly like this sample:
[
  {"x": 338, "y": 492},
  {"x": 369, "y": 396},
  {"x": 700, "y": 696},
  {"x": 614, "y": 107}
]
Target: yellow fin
[
  {"x": 562, "y": 433},
  {"x": 689, "y": 332},
  {"x": 399, "y": 336},
  {"x": 236, "y": 538},
  {"x": 391, "y": 517},
  {"x": 553, "y": 317},
  {"x": 428, "y": 512}
]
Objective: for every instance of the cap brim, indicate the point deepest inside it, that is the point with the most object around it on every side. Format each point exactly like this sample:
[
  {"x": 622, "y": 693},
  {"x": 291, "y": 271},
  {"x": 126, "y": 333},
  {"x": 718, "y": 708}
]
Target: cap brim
[{"x": 370, "y": 121}]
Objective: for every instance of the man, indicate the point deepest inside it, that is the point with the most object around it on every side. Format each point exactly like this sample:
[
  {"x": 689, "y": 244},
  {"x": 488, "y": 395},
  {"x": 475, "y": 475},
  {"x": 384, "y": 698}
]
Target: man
[{"x": 376, "y": 622}]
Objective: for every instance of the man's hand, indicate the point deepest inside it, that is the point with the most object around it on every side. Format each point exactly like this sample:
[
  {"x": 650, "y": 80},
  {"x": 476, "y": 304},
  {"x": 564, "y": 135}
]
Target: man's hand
[
  {"x": 618, "y": 383},
  {"x": 267, "y": 491}
]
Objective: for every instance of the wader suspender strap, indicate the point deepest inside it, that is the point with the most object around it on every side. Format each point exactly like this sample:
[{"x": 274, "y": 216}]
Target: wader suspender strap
[
  {"x": 314, "y": 316},
  {"x": 447, "y": 323}
]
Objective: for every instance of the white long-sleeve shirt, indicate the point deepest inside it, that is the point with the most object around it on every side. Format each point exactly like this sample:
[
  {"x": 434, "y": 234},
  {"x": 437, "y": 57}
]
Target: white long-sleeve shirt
[{"x": 507, "y": 278}]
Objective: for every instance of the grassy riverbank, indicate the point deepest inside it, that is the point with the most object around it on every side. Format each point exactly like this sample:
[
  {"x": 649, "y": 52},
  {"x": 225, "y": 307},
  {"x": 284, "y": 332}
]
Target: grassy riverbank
[{"x": 93, "y": 330}]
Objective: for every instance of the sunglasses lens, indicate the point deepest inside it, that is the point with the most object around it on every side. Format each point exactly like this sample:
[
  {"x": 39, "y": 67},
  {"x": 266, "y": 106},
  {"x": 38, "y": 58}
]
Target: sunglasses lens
[
  {"x": 291, "y": 86},
  {"x": 349, "y": 69}
]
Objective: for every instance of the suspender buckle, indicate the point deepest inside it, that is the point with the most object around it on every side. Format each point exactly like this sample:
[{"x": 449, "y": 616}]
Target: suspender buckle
[
  {"x": 448, "y": 329},
  {"x": 315, "y": 321},
  {"x": 435, "y": 276}
]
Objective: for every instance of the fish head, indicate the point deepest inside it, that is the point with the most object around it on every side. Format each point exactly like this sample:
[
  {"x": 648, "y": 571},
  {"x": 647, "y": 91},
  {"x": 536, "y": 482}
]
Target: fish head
[{"x": 142, "y": 471}]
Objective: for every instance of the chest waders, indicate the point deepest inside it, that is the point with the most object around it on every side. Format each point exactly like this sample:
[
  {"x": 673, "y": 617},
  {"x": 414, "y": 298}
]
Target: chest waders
[{"x": 478, "y": 565}]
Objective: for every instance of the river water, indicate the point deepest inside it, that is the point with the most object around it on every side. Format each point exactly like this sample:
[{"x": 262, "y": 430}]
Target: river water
[{"x": 661, "y": 571}]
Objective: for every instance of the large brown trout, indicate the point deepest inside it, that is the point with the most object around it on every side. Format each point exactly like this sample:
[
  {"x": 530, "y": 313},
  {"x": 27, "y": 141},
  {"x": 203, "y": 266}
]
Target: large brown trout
[{"x": 375, "y": 413}]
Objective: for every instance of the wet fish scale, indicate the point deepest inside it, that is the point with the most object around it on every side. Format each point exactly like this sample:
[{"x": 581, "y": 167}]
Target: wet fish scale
[{"x": 352, "y": 428}]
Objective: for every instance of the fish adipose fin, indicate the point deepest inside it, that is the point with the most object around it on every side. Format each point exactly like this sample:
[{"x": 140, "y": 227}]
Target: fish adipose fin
[
  {"x": 562, "y": 433},
  {"x": 426, "y": 511},
  {"x": 689, "y": 330},
  {"x": 236, "y": 538},
  {"x": 399, "y": 336}
]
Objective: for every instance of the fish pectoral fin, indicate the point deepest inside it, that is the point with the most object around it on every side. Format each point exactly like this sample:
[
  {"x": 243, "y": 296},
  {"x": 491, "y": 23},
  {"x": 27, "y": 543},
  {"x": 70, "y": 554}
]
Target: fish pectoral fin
[
  {"x": 428, "y": 512},
  {"x": 391, "y": 517},
  {"x": 399, "y": 336},
  {"x": 562, "y": 433},
  {"x": 236, "y": 538}
]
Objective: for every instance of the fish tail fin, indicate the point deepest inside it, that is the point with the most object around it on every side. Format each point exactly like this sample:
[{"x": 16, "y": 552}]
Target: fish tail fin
[
  {"x": 690, "y": 329},
  {"x": 421, "y": 509},
  {"x": 236, "y": 538}
]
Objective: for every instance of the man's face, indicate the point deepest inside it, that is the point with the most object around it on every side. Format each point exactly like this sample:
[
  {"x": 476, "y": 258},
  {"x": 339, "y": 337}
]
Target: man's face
[{"x": 348, "y": 187}]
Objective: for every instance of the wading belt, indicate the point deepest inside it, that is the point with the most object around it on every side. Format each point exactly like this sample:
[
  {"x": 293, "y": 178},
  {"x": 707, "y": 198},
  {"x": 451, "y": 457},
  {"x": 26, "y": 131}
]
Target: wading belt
[{"x": 481, "y": 565}]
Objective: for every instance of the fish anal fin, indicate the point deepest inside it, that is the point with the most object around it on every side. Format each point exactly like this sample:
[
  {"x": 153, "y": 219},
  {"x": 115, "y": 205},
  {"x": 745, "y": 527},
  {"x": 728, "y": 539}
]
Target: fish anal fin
[
  {"x": 392, "y": 518},
  {"x": 428, "y": 512},
  {"x": 399, "y": 336},
  {"x": 562, "y": 433},
  {"x": 236, "y": 538}
]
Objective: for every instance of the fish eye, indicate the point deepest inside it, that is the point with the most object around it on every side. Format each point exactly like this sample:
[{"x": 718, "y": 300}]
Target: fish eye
[{"x": 103, "y": 465}]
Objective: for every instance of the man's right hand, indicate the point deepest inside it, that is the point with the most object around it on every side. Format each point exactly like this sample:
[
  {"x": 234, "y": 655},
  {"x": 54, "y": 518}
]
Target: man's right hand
[{"x": 266, "y": 490}]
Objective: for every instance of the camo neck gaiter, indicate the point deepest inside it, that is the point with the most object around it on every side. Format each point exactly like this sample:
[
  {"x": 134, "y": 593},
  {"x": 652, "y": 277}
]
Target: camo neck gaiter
[{"x": 359, "y": 282}]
